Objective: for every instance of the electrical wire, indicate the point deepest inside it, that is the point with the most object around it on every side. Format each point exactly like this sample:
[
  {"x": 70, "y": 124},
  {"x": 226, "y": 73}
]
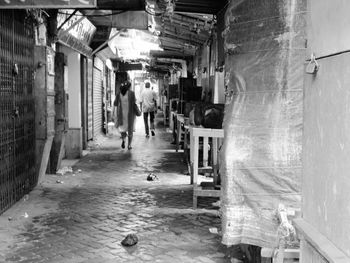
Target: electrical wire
[{"x": 331, "y": 55}]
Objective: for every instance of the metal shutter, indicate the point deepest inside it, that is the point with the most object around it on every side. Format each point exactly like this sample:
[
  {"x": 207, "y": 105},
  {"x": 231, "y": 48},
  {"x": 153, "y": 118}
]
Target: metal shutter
[
  {"x": 17, "y": 131},
  {"x": 97, "y": 100},
  {"x": 90, "y": 100}
]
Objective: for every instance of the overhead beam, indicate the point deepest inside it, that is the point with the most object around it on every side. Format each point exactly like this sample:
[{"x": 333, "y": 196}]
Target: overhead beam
[
  {"x": 200, "y": 6},
  {"x": 135, "y": 5}
]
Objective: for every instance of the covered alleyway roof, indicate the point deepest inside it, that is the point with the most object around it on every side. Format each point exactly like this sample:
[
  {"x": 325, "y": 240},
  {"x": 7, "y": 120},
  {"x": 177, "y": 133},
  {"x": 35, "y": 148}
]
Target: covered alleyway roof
[{"x": 181, "y": 26}]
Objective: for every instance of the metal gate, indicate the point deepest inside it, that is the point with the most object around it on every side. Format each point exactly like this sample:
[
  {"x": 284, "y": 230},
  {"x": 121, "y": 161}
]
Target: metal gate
[{"x": 17, "y": 131}]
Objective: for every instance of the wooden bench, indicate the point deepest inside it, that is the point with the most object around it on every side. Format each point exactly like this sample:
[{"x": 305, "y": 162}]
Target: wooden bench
[{"x": 216, "y": 135}]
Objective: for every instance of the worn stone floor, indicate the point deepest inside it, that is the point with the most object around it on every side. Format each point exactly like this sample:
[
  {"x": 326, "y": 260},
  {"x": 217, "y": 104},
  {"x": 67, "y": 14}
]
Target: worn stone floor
[{"x": 84, "y": 215}]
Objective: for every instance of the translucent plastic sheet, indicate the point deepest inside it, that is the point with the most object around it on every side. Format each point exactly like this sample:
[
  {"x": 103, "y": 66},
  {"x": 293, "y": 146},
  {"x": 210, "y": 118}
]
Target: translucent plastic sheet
[
  {"x": 261, "y": 156},
  {"x": 261, "y": 165}
]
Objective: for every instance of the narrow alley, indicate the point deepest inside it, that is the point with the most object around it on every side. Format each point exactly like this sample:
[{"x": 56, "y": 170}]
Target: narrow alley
[
  {"x": 168, "y": 131},
  {"x": 83, "y": 216}
]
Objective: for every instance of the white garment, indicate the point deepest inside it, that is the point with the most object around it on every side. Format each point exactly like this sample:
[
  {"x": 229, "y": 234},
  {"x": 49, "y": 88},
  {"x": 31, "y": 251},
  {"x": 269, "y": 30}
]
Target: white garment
[
  {"x": 148, "y": 98},
  {"x": 124, "y": 100}
]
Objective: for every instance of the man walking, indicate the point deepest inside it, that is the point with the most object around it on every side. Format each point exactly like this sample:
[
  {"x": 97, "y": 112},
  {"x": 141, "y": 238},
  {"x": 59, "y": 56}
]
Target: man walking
[{"x": 149, "y": 107}]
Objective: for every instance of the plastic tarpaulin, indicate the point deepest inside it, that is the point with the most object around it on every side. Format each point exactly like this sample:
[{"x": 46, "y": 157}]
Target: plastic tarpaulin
[
  {"x": 261, "y": 155},
  {"x": 261, "y": 166}
]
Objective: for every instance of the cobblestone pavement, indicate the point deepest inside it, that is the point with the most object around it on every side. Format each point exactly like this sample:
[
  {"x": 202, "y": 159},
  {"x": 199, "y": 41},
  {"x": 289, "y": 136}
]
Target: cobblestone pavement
[{"x": 84, "y": 215}]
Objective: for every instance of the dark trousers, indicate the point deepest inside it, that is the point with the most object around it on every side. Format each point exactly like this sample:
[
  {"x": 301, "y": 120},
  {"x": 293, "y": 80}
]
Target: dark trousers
[{"x": 145, "y": 119}]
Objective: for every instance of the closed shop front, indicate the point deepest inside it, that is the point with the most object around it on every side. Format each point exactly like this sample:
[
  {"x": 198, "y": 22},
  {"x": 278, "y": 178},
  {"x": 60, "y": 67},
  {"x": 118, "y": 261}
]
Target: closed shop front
[
  {"x": 90, "y": 115},
  {"x": 17, "y": 112},
  {"x": 98, "y": 94},
  {"x": 75, "y": 45}
]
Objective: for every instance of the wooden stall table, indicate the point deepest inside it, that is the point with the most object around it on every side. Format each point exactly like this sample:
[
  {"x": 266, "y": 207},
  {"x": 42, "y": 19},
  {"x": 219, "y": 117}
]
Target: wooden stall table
[{"x": 216, "y": 135}]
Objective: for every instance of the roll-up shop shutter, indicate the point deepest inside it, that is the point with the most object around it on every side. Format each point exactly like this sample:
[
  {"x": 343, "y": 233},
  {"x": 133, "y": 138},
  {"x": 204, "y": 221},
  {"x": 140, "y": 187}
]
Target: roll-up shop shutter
[
  {"x": 90, "y": 100},
  {"x": 97, "y": 96}
]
